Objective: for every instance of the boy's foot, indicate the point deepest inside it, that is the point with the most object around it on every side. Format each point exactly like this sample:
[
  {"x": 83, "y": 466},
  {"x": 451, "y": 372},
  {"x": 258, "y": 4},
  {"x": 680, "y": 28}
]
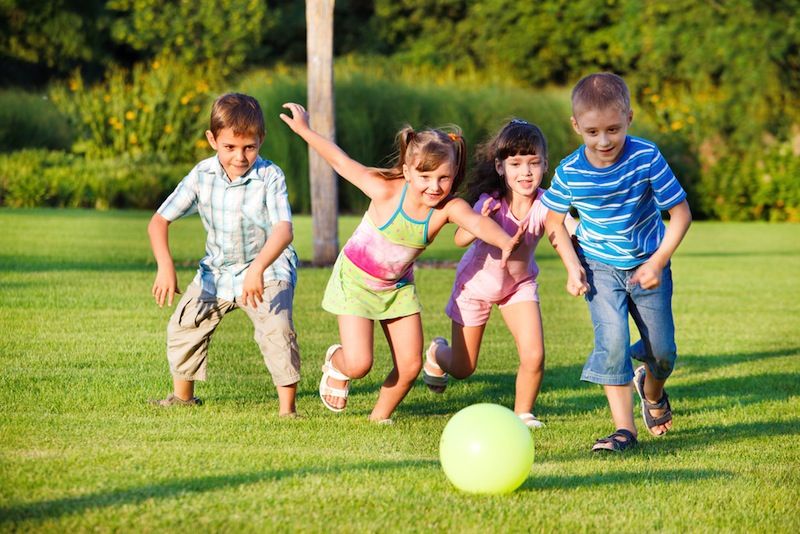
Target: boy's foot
[
  {"x": 621, "y": 440},
  {"x": 334, "y": 386},
  {"x": 172, "y": 400},
  {"x": 290, "y": 415},
  {"x": 432, "y": 374},
  {"x": 657, "y": 415},
  {"x": 530, "y": 420}
]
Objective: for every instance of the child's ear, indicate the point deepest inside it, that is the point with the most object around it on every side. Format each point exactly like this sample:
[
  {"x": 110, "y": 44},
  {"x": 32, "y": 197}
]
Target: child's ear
[
  {"x": 575, "y": 125},
  {"x": 405, "y": 173},
  {"x": 211, "y": 140},
  {"x": 498, "y": 166},
  {"x": 630, "y": 117}
]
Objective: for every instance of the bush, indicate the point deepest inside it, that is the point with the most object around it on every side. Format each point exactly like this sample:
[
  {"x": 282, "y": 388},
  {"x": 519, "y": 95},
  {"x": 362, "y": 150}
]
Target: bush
[
  {"x": 31, "y": 121},
  {"x": 160, "y": 109},
  {"x": 30, "y": 178},
  {"x": 759, "y": 185}
]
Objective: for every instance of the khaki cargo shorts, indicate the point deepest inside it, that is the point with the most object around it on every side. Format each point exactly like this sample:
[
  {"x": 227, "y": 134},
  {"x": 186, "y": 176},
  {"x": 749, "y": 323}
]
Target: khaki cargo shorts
[{"x": 198, "y": 314}]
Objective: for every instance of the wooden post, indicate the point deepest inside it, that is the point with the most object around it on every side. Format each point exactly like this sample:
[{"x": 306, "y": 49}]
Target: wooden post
[{"x": 324, "y": 195}]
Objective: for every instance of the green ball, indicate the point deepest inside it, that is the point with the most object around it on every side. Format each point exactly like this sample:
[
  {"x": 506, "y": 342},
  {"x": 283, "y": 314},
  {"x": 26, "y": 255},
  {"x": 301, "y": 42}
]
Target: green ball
[{"x": 486, "y": 448}]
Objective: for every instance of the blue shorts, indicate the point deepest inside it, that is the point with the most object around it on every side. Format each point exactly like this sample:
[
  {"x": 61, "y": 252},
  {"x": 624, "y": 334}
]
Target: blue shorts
[{"x": 611, "y": 298}]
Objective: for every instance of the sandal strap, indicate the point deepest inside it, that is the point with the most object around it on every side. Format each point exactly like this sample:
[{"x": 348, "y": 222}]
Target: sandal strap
[{"x": 334, "y": 392}]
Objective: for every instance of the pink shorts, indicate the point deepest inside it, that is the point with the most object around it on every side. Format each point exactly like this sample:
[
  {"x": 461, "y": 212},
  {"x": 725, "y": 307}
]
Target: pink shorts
[{"x": 468, "y": 308}]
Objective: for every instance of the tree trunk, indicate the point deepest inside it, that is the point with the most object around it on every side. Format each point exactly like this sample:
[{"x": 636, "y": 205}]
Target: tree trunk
[{"x": 324, "y": 197}]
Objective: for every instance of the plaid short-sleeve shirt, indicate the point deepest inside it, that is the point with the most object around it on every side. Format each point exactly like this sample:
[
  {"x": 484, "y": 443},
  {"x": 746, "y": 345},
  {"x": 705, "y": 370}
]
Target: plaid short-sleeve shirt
[{"x": 238, "y": 217}]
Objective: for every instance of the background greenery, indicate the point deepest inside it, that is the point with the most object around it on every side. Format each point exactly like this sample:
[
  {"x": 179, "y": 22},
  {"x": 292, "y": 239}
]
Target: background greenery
[
  {"x": 83, "y": 348},
  {"x": 715, "y": 84}
]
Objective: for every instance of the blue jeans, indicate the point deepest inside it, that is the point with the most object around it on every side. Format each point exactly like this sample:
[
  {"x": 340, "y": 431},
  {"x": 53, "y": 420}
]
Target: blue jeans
[{"x": 611, "y": 297}]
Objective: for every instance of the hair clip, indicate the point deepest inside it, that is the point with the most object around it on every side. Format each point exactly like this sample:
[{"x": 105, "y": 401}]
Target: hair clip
[
  {"x": 453, "y": 137},
  {"x": 518, "y": 121}
]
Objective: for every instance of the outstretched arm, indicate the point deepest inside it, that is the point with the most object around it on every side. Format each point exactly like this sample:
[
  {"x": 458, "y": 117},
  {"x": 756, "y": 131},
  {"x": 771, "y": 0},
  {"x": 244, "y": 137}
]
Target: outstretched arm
[
  {"x": 560, "y": 239},
  {"x": 463, "y": 238},
  {"x": 166, "y": 284},
  {"x": 484, "y": 228},
  {"x": 348, "y": 168},
  {"x": 648, "y": 275}
]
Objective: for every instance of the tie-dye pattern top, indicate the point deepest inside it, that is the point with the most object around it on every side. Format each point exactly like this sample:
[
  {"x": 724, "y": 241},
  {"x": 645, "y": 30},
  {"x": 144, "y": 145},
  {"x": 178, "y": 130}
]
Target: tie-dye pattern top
[
  {"x": 374, "y": 274},
  {"x": 387, "y": 253}
]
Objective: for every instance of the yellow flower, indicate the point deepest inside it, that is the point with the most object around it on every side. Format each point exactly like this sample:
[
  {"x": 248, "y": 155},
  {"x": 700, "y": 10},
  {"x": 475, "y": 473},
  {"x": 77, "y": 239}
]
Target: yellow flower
[
  {"x": 156, "y": 64},
  {"x": 132, "y": 139},
  {"x": 185, "y": 99},
  {"x": 130, "y": 115},
  {"x": 676, "y": 125},
  {"x": 200, "y": 143},
  {"x": 196, "y": 109},
  {"x": 655, "y": 98},
  {"x": 168, "y": 128},
  {"x": 106, "y": 98},
  {"x": 201, "y": 87},
  {"x": 74, "y": 85}
]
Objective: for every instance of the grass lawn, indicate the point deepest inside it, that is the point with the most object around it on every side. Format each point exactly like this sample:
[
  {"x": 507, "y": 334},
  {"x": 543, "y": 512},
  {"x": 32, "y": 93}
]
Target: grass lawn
[{"x": 82, "y": 348}]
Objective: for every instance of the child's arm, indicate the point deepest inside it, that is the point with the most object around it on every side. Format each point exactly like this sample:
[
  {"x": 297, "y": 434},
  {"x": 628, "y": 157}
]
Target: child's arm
[
  {"x": 648, "y": 275},
  {"x": 348, "y": 168},
  {"x": 462, "y": 238},
  {"x": 560, "y": 239},
  {"x": 484, "y": 228},
  {"x": 280, "y": 238},
  {"x": 166, "y": 284}
]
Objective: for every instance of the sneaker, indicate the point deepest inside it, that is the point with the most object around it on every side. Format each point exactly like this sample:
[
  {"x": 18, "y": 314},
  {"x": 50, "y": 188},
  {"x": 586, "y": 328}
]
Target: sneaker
[{"x": 172, "y": 400}]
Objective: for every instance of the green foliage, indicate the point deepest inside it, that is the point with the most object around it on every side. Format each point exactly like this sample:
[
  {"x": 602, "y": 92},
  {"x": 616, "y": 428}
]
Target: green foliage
[
  {"x": 194, "y": 32},
  {"x": 30, "y": 120},
  {"x": 156, "y": 109},
  {"x": 57, "y": 34},
  {"x": 41, "y": 178},
  {"x": 762, "y": 185}
]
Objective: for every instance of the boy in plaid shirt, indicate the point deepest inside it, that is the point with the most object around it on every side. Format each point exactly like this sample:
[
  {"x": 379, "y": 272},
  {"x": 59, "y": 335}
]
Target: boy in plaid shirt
[{"x": 249, "y": 261}]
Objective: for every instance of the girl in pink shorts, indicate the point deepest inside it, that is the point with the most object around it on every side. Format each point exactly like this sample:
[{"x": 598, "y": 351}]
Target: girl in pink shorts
[{"x": 506, "y": 185}]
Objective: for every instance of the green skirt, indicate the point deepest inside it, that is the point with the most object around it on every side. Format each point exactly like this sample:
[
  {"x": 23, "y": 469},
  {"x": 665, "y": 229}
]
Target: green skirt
[{"x": 351, "y": 291}]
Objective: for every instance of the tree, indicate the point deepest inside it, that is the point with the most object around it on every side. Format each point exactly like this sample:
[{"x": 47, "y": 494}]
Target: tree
[{"x": 324, "y": 196}]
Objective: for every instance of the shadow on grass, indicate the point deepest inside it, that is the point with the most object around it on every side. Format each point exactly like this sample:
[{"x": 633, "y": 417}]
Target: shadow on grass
[
  {"x": 666, "y": 476},
  {"x": 704, "y": 362},
  {"x": 57, "y": 508}
]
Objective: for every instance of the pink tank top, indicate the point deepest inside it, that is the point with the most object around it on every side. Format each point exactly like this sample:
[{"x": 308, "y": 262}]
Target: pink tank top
[{"x": 388, "y": 252}]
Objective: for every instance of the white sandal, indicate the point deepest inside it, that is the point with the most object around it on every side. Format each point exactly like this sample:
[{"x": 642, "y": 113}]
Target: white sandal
[
  {"x": 530, "y": 420},
  {"x": 329, "y": 371},
  {"x": 436, "y": 383}
]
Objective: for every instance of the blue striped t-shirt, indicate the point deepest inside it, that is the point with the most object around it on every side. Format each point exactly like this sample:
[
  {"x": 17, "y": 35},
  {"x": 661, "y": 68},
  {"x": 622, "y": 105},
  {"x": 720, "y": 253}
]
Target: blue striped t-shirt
[
  {"x": 238, "y": 217},
  {"x": 619, "y": 206}
]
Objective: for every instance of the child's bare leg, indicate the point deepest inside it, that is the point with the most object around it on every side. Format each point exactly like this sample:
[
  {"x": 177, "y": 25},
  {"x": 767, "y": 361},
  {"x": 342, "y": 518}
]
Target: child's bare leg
[
  {"x": 286, "y": 397},
  {"x": 620, "y": 401},
  {"x": 404, "y": 335},
  {"x": 354, "y": 359},
  {"x": 183, "y": 389},
  {"x": 461, "y": 358},
  {"x": 524, "y": 321}
]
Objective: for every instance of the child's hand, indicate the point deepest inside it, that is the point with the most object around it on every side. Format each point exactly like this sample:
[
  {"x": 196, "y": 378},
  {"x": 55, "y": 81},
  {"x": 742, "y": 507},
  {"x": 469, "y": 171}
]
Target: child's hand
[
  {"x": 576, "y": 282},
  {"x": 253, "y": 287},
  {"x": 166, "y": 286},
  {"x": 490, "y": 206},
  {"x": 648, "y": 275},
  {"x": 299, "y": 119}
]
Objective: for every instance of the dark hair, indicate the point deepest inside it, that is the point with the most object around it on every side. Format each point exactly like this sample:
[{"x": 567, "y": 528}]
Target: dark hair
[
  {"x": 427, "y": 149},
  {"x": 241, "y": 113},
  {"x": 600, "y": 91},
  {"x": 516, "y": 137}
]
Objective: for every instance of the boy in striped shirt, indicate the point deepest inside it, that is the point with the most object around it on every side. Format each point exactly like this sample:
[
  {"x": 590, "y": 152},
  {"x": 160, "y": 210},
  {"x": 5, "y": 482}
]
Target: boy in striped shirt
[
  {"x": 619, "y": 185},
  {"x": 249, "y": 261}
]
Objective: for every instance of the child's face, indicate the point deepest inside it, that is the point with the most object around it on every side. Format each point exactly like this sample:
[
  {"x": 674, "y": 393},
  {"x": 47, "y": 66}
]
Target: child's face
[
  {"x": 523, "y": 173},
  {"x": 431, "y": 186},
  {"x": 237, "y": 153},
  {"x": 603, "y": 132}
]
